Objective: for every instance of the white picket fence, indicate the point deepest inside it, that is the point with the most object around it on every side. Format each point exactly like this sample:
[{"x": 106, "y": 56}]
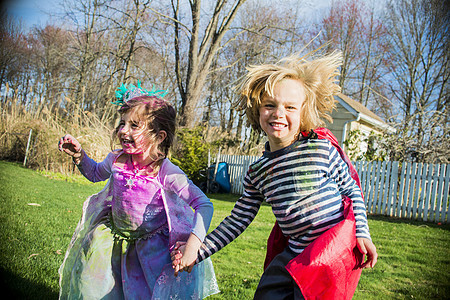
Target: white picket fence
[{"x": 413, "y": 191}]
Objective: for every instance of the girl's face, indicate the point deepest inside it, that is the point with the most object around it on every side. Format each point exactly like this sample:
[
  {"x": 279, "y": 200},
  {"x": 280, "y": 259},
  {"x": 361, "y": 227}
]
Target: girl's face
[
  {"x": 279, "y": 116},
  {"x": 133, "y": 135}
]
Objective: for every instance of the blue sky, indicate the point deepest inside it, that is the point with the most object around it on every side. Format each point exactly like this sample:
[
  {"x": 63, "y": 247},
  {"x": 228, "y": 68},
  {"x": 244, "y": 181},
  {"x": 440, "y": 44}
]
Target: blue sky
[
  {"x": 32, "y": 12},
  {"x": 36, "y": 12}
]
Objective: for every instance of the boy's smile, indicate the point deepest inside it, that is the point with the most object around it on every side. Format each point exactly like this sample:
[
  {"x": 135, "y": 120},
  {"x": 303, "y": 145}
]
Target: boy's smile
[{"x": 279, "y": 115}]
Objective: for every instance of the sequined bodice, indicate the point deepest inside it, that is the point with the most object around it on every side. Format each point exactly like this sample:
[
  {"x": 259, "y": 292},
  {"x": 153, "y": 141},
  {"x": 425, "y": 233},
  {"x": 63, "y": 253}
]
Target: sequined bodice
[{"x": 137, "y": 206}]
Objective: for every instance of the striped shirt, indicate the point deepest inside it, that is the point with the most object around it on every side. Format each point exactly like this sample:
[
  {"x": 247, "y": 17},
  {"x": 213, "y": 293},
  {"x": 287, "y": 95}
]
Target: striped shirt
[{"x": 304, "y": 184}]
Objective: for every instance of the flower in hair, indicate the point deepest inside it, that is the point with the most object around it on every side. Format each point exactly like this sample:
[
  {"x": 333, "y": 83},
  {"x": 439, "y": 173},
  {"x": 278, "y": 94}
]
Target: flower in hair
[{"x": 129, "y": 91}]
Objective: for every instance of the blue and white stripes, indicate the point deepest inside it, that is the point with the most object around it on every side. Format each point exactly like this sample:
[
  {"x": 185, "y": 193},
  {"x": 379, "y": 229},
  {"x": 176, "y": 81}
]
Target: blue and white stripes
[{"x": 304, "y": 184}]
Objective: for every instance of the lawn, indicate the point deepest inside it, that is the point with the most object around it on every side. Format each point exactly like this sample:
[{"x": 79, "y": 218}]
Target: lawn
[{"x": 38, "y": 213}]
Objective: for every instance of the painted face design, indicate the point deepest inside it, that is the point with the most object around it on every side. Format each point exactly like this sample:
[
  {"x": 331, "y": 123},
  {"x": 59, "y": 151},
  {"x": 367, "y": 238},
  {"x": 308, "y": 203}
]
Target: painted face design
[
  {"x": 132, "y": 135},
  {"x": 279, "y": 115}
]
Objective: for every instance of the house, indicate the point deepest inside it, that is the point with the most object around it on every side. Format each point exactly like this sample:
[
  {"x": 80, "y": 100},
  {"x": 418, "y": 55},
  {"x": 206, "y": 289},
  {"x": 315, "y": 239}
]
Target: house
[{"x": 351, "y": 115}]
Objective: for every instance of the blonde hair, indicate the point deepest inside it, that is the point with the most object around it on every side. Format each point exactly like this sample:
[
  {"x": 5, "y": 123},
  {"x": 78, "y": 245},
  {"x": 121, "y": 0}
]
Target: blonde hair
[{"x": 318, "y": 77}]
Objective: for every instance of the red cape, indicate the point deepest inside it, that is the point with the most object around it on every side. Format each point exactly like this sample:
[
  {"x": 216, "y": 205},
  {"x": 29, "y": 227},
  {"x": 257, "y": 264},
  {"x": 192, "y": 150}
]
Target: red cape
[{"x": 329, "y": 267}]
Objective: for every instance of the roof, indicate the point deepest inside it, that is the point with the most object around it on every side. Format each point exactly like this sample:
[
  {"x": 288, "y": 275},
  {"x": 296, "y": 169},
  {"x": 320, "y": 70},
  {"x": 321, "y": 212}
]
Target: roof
[
  {"x": 360, "y": 111},
  {"x": 359, "y": 107}
]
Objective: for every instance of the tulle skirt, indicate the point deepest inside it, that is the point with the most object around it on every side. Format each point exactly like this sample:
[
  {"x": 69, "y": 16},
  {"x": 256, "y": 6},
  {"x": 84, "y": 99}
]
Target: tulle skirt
[
  {"x": 102, "y": 264},
  {"x": 110, "y": 267}
]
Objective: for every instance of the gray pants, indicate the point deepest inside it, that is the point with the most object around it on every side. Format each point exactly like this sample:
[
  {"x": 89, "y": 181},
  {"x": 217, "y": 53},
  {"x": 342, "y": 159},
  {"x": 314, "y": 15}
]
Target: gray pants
[{"x": 276, "y": 282}]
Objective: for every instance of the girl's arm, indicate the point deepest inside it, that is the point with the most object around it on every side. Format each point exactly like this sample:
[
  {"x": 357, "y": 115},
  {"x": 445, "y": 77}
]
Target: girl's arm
[
  {"x": 177, "y": 181},
  {"x": 92, "y": 170}
]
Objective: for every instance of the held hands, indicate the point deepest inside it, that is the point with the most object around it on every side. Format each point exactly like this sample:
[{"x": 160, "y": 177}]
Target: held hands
[
  {"x": 184, "y": 255},
  {"x": 366, "y": 246},
  {"x": 179, "y": 263},
  {"x": 72, "y": 147}
]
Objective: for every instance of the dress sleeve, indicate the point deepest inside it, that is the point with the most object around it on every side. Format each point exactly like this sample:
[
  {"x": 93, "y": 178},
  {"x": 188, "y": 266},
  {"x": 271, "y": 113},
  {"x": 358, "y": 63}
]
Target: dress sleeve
[
  {"x": 348, "y": 187},
  {"x": 242, "y": 214},
  {"x": 95, "y": 171},
  {"x": 176, "y": 180}
]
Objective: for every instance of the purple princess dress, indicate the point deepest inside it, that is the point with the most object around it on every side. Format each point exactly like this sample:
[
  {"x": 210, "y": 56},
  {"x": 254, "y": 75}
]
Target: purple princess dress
[{"x": 121, "y": 246}]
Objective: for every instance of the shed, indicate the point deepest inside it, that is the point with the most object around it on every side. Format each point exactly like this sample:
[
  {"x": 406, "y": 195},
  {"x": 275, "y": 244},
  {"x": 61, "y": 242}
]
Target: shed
[{"x": 352, "y": 115}]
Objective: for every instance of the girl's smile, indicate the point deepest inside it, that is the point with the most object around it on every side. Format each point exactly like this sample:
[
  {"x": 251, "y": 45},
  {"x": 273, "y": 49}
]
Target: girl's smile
[
  {"x": 279, "y": 114},
  {"x": 131, "y": 135}
]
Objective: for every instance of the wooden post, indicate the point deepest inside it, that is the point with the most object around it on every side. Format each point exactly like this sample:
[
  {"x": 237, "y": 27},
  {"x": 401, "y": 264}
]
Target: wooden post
[
  {"x": 217, "y": 164},
  {"x": 28, "y": 148}
]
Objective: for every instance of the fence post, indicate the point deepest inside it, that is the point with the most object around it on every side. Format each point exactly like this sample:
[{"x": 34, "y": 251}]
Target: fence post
[
  {"x": 405, "y": 189},
  {"x": 28, "y": 148},
  {"x": 439, "y": 208},
  {"x": 417, "y": 190},
  {"x": 444, "y": 204},
  {"x": 386, "y": 188},
  {"x": 393, "y": 189},
  {"x": 426, "y": 202},
  {"x": 412, "y": 183}
]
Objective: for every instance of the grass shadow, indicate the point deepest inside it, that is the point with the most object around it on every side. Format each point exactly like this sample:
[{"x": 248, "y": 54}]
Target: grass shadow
[{"x": 17, "y": 287}]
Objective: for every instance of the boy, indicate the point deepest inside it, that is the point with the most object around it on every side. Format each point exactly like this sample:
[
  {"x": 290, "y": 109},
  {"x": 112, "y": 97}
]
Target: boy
[{"x": 304, "y": 179}]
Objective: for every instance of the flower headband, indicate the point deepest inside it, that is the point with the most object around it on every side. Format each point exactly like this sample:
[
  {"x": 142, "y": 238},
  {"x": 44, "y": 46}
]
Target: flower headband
[{"x": 126, "y": 92}]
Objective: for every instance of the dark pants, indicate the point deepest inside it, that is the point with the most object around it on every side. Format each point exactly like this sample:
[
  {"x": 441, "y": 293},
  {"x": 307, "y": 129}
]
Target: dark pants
[{"x": 276, "y": 282}]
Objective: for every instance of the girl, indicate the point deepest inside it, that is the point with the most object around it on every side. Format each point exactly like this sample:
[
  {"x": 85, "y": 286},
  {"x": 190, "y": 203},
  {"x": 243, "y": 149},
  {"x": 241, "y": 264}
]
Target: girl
[
  {"x": 121, "y": 247},
  {"x": 304, "y": 179}
]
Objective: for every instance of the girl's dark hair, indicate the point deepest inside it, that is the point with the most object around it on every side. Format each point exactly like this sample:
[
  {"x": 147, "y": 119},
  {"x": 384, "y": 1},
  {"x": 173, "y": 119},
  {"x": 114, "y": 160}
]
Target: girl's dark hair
[{"x": 158, "y": 115}]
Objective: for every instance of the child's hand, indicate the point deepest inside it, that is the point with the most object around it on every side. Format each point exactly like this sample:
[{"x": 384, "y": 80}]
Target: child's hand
[
  {"x": 70, "y": 146},
  {"x": 177, "y": 254},
  {"x": 366, "y": 246},
  {"x": 180, "y": 260},
  {"x": 184, "y": 255}
]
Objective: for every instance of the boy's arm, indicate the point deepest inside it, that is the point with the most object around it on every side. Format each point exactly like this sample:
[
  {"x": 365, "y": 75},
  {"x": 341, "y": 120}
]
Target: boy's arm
[
  {"x": 243, "y": 213},
  {"x": 348, "y": 187}
]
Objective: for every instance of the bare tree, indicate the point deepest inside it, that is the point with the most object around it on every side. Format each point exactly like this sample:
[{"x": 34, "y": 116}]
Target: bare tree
[
  {"x": 355, "y": 29},
  {"x": 127, "y": 20},
  {"x": 419, "y": 79},
  {"x": 51, "y": 47},
  {"x": 13, "y": 49},
  {"x": 203, "y": 46},
  {"x": 262, "y": 33},
  {"x": 84, "y": 14}
]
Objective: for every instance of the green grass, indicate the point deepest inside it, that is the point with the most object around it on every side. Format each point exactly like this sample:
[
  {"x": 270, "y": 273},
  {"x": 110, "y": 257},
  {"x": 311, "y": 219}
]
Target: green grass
[{"x": 414, "y": 257}]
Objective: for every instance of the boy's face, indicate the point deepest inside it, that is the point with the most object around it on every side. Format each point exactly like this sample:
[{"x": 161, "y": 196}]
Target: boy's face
[{"x": 279, "y": 116}]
